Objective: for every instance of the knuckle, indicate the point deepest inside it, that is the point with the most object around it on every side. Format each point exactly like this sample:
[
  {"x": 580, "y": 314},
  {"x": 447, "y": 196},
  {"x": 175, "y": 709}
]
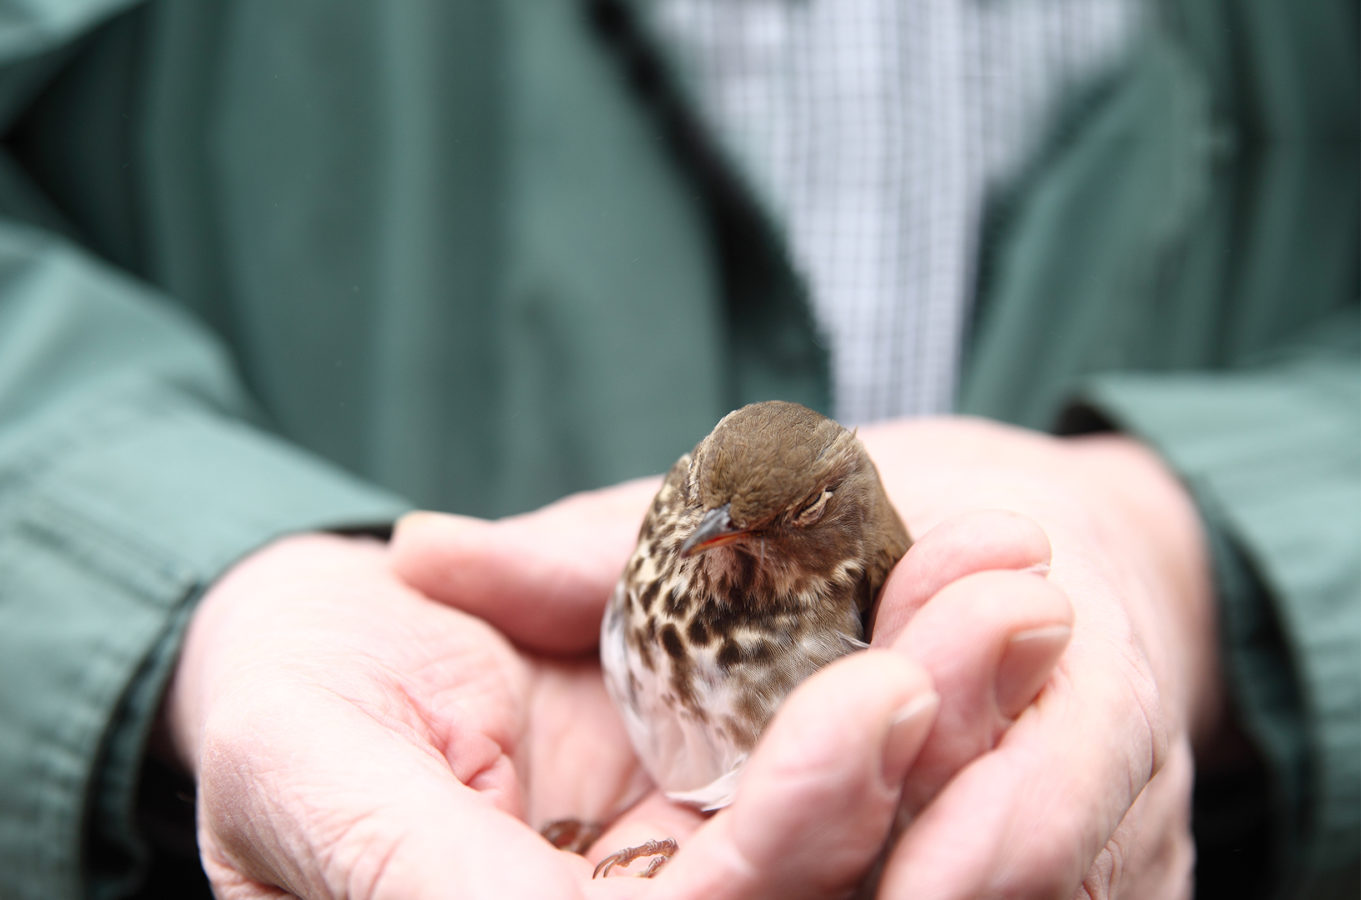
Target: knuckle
[
  {"x": 1155, "y": 721},
  {"x": 1050, "y": 868},
  {"x": 1099, "y": 882},
  {"x": 1152, "y": 738}
]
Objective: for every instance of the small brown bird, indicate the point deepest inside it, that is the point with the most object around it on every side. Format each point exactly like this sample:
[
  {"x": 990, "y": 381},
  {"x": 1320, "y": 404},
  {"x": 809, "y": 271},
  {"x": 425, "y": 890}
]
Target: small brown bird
[{"x": 757, "y": 564}]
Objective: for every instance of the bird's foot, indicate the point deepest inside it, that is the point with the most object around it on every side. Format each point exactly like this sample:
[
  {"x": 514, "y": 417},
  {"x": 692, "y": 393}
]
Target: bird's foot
[
  {"x": 572, "y": 835},
  {"x": 660, "y": 850}
]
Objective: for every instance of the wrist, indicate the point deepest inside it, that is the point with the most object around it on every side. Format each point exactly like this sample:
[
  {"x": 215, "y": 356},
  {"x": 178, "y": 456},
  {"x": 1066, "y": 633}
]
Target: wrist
[{"x": 232, "y": 608}]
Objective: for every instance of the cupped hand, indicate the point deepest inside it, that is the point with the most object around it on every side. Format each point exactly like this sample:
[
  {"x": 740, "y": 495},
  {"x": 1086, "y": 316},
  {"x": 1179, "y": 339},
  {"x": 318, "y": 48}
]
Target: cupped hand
[
  {"x": 1039, "y": 778},
  {"x": 1087, "y": 793},
  {"x": 352, "y": 738},
  {"x": 803, "y": 822}
]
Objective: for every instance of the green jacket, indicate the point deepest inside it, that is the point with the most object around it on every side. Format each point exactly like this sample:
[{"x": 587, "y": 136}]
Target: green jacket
[{"x": 267, "y": 267}]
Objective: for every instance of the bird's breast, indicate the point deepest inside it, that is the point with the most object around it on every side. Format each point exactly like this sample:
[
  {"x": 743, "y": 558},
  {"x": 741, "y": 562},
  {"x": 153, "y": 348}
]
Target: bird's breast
[{"x": 698, "y": 674}]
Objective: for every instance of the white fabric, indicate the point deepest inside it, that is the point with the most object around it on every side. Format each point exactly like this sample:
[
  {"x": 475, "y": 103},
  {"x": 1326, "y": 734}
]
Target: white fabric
[{"x": 870, "y": 129}]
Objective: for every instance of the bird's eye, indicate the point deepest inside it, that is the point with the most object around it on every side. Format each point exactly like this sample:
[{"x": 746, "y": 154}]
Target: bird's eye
[{"x": 813, "y": 511}]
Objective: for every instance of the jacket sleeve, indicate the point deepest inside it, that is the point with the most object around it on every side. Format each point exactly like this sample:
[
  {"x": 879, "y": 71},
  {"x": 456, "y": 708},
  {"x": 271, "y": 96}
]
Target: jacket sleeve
[
  {"x": 132, "y": 472},
  {"x": 1272, "y": 455}
]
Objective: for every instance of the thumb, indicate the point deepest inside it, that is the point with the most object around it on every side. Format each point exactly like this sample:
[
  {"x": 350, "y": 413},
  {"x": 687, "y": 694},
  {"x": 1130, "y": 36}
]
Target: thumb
[
  {"x": 541, "y": 578},
  {"x": 818, "y": 797}
]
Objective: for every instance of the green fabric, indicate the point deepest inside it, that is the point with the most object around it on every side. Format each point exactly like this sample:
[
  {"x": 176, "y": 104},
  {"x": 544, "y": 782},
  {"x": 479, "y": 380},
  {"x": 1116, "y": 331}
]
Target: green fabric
[
  {"x": 1296, "y": 536},
  {"x": 268, "y": 267},
  {"x": 462, "y": 251},
  {"x": 1192, "y": 235},
  {"x": 118, "y": 420}
]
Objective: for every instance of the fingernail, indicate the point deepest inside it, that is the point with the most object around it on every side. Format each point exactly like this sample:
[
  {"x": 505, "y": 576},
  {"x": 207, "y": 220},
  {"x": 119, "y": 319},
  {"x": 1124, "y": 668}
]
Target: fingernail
[
  {"x": 1026, "y": 664},
  {"x": 443, "y": 525},
  {"x": 906, "y": 733},
  {"x": 411, "y": 519},
  {"x": 1040, "y": 568}
]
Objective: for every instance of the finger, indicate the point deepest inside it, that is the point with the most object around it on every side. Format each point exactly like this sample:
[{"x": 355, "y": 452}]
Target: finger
[
  {"x": 542, "y": 578},
  {"x": 356, "y": 811},
  {"x": 1151, "y": 853},
  {"x": 819, "y": 794},
  {"x": 990, "y": 642},
  {"x": 967, "y": 543},
  {"x": 1029, "y": 818}
]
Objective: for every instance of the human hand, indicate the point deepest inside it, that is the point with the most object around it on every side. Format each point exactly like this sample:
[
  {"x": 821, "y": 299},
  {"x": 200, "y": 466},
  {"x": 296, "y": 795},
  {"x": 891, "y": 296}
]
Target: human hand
[
  {"x": 1088, "y": 792},
  {"x": 562, "y": 562},
  {"x": 352, "y": 738}
]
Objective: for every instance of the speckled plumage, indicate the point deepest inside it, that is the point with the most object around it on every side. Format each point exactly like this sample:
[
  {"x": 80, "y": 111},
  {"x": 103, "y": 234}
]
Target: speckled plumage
[{"x": 756, "y": 565}]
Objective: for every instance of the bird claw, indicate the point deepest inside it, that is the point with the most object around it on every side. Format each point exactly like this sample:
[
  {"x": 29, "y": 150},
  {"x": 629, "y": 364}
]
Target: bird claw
[
  {"x": 661, "y": 850},
  {"x": 573, "y": 835}
]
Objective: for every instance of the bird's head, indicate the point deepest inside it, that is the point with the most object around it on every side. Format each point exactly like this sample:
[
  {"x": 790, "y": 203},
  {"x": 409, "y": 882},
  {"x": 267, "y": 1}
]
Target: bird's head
[{"x": 787, "y": 486}]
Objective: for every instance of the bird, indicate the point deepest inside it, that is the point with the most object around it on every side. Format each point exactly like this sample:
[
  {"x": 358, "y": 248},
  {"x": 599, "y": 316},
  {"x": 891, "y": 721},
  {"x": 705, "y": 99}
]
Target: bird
[{"x": 758, "y": 563}]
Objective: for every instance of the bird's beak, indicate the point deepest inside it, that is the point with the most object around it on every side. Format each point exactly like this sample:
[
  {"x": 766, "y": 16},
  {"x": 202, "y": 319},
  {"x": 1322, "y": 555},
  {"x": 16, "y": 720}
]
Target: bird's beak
[{"x": 715, "y": 529}]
